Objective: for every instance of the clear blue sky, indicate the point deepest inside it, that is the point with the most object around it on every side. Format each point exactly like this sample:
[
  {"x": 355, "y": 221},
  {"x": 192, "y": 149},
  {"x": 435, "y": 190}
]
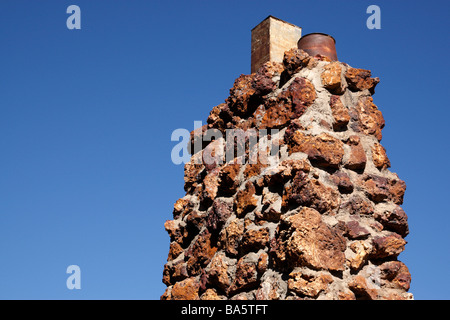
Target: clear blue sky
[{"x": 86, "y": 117}]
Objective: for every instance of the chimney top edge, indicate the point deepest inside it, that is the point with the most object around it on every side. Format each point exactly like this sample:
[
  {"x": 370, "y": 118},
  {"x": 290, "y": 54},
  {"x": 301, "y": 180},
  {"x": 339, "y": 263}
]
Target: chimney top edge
[{"x": 270, "y": 16}]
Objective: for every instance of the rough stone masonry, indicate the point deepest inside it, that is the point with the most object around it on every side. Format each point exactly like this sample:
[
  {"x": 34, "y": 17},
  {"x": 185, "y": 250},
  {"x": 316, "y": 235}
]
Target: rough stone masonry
[{"x": 324, "y": 222}]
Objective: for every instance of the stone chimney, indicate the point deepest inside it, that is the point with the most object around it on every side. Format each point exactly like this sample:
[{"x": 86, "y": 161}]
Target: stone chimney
[
  {"x": 317, "y": 215},
  {"x": 270, "y": 39}
]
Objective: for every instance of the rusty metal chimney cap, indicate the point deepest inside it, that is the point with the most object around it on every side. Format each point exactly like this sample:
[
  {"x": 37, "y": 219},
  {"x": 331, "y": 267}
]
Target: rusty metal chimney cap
[{"x": 313, "y": 33}]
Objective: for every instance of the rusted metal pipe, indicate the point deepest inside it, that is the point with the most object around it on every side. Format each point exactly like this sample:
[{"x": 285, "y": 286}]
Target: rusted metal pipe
[{"x": 318, "y": 43}]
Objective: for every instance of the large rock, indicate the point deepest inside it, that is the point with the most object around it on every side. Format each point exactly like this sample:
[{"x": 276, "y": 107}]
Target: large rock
[
  {"x": 311, "y": 193},
  {"x": 228, "y": 179},
  {"x": 301, "y": 93},
  {"x": 380, "y": 189},
  {"x": 395, "y": 274},
  {"x": 395, "y": 220},
  {"x": 379, "y": 157},
  {"x": 231, "y": 236},
  {"x": 220, "y": 212},
  {"x": 340, "y": 113},
  {"x": 220, "y": 271},
  {"x": 245, "y": 199},
  {"x": 388, "y": 246},
  {"x": 185, "y": 290},
  {"x": 291, "y": 103},
  {"x": 296, "y": 59},
  {"x": 272, "y": 287},
  {"x": 254, "y": 239},
  {"x": 322, "y": 150},
  {"x": 278, "y": 113},
  {"x": 360, "y": 79},
  {"x": 200, "y": 253},
  {"x": 246, "y": 273},
  {"x": 240, "y": 95},
  {"x": 369, "y": 119},
  {"x": 263, "y": 82},
  {"x": 357, "y": 158},
  {"x": 332, "y": 79},
  {"x": 362, "y": 289},
  {"x": 305, "y": 240},
  {"x": 308, "y": 285}
]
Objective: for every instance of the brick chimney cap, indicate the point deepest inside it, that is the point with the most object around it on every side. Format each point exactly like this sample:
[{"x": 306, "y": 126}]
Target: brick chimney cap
[{"x": 270, "y": 16}]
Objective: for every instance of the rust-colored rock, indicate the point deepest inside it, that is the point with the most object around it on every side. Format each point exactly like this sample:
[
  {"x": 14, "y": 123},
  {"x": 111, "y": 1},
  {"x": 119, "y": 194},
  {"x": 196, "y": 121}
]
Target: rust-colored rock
[
  {"x": 211, "y": 184},
  {"x": 228, "y": 179},
  {"x": 357, "y": 205},
  {"x": 322, "y": 150},
  {"x": 296, "y": 59},
  {"x": 175, "y": 230},
  {"x": 340, "y": 113},
  {"x": 214, "y": 119},
  {"x": 354, "y": 230},
  {"x": 278, "y": 113},
  {"x": 219, "y": 271},
  {"x": 192, "y": 175},
  {"x": 194, "y": 222},
  {"x": 345, "y": 295},
  {"x": 290, "y": 104},
  {"x": 388, "y": 246},
  {"x": 231, "y": 236},
  {"x": 360, "y": 79},
  {"x": 252, "y": 170},
  {"x": 308, "y": 285},
  {"x": 263, "y": 81},
  {"x": 381, "y": 189},
  {"x": 211, "y": 294},
  {"x": 263, "y": 263},
  {"x": 185, "y": 290},
  {"x": 181, "y": 207},
  {"x": 362, "y": 289},
  {"x": 245, "y": 199},
  {"x": 200, "y": 253},
  {"x": 395, "y": 220},
  {"x": 174, "y": 271},
  {"x": 342, "y": 181},
  {"x": 246, "y": 273},
  {"x": 379, "y": 157},
  {"x": 357, "y": 159},
  {"x": 301, "y": 93},
  {"x": 332, "y": 79},
  {"x": 240, "y": 95},
  {"x": 255, "y": 239},
  {"x": 370, "y": 120},
  {"x": 377, "y": 188},
  {"x": 396, "y": 275},
  {"x": 311, "y": 193},
  {"x": 362, "y": 251},
  {"x": 307, "y": 241},
  {"x": 175, "y": 250}
]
